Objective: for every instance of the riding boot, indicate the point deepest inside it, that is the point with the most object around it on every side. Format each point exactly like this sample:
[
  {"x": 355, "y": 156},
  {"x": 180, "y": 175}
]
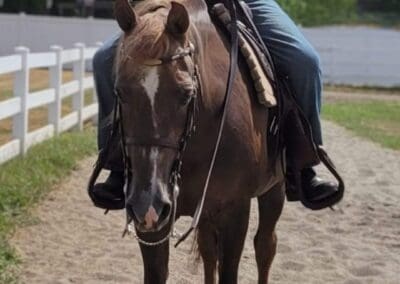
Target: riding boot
[
  {"x": 110, "y": 194},
  {"x": 293, "y": 184},
  {"x": 313, "y": 188}
]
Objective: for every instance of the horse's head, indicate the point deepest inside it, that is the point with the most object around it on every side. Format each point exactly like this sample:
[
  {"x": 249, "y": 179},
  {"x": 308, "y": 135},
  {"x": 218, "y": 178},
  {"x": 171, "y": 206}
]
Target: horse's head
[{"x": 156, "y": 84}]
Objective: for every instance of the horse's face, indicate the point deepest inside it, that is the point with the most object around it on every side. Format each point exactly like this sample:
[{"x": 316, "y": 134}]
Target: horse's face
[{"x": 154, "y": 101}]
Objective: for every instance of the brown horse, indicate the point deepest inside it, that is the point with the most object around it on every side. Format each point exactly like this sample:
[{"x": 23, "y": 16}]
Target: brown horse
[{"x": 171, "y": 63}]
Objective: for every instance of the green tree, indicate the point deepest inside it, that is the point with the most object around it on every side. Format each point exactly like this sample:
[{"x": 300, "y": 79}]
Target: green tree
[
  {"x": 317, "y": 12},
  {"x": 28, "y": 6},
  {"x": 379, "y": 5}
]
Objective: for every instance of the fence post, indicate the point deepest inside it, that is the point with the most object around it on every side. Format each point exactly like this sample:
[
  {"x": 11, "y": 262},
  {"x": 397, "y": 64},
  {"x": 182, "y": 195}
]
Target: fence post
[
  {"x": 55, "y": 83},
  {"x": 21, "y": 90},
  {"x": 79, "y": 75}
]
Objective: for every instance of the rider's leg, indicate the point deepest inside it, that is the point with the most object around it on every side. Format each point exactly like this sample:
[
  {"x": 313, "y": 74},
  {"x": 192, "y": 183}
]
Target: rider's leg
[
  {"x": 103, "y": 61},
  {"x": 295, "y": 58},
  {"x": 112, "y": 189}
]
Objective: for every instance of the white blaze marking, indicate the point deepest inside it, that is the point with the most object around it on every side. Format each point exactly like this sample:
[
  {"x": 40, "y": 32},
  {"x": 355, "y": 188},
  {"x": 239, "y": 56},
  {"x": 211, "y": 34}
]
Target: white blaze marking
[
  {"x": 153, "y": 161},
  {"x": 151, "y": 83},
  {"x": 150, "y": 218}
]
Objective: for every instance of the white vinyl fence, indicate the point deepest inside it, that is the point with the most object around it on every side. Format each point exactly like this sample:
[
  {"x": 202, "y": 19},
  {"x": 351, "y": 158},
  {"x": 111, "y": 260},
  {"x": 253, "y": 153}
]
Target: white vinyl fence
[
  {"x": 350, "y": 55},
  {"x": 23, "y": 101}
]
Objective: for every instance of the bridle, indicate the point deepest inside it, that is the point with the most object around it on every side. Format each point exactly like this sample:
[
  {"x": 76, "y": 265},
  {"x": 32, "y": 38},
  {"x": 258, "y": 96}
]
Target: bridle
[
  {"x": 178, "y": 146},
  {"x": 189, "y": 128}
]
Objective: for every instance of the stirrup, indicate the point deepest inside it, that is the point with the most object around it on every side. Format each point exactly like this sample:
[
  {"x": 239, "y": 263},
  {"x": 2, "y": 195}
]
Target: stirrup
[
  {"x": 329, "y": 200},
  {"x": 107, "y": 204}
]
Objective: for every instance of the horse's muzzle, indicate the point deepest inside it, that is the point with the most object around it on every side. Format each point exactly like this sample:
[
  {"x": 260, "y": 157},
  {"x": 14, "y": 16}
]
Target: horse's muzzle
[{"x": 150, "y": 214}]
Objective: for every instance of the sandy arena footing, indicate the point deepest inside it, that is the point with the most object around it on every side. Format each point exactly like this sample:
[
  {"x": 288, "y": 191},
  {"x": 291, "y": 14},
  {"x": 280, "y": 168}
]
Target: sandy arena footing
[{"x": 73, "y": 242}]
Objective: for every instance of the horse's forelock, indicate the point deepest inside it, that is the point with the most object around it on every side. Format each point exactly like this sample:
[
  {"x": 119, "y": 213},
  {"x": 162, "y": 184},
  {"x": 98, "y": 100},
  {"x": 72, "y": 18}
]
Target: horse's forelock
[{"x": 148, "y": 40}]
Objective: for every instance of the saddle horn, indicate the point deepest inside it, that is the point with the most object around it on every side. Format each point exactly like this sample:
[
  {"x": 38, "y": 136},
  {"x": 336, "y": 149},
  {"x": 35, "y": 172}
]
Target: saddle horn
[{"x": 125, "y": 15}]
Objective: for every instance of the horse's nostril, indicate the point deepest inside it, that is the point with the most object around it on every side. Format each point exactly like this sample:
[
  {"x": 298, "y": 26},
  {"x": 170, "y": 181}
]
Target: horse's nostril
[
  {"x": 151, "y": 218},
  {"x": 132, "y": 214},
  {"x": 165, "y": 212}
]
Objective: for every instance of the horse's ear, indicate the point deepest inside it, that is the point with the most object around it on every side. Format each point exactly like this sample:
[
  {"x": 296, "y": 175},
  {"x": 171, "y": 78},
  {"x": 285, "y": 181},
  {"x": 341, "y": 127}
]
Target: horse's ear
[
  {"x": 125, "y": 15},
  {"x": 178, "y": 19}
]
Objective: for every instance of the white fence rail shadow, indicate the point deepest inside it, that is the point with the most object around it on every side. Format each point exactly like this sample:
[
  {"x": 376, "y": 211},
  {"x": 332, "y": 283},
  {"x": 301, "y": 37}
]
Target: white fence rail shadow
[{"x": 23, "y": 100}]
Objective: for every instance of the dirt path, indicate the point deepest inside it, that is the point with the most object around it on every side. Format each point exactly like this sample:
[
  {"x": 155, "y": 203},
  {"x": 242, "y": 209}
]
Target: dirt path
[{"x": 75, "y": 243}]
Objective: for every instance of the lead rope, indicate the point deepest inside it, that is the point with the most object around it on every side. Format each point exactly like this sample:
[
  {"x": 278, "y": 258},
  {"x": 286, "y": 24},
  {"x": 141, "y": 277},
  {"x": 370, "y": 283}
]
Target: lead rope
[{"x": 228, "y": 94}]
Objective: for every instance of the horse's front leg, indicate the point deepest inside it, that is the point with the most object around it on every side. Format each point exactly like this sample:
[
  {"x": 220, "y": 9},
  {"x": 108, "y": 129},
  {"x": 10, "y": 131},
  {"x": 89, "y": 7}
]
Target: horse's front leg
[
  {"x": 155, "y": 261},
  {"x": 231, "y": 237},
  {"x": 270, "y": 208},
  {"x": 208, "y": 248}
]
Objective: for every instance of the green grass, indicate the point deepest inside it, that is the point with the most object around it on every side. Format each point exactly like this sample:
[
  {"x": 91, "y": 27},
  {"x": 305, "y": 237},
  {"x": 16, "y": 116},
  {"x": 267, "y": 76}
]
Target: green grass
[
  {"x": 362, "y": 89},
  {"x": 25, "y": 181},
  {"x": 5, "y": 95},
  {"x": 377, "y": 121}
]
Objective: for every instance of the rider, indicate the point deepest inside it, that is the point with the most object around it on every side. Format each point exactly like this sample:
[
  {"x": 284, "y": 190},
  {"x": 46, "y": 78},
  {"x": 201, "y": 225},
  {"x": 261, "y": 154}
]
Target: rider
[{"x": 293, "y": 56}]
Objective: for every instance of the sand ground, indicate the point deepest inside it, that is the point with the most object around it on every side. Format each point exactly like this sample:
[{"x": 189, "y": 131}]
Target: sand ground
[{"x": 73, "y": 242}]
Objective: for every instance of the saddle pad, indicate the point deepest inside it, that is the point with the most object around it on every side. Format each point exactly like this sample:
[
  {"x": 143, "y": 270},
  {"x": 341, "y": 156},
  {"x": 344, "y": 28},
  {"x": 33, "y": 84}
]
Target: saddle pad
[{"x": 262, "y": 85}]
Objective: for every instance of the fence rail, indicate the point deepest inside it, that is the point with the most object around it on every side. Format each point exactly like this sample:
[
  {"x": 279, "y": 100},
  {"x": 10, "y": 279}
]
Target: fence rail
[
  {"x": 23, "y": 100},
  {"x": 350, "y": 55}
]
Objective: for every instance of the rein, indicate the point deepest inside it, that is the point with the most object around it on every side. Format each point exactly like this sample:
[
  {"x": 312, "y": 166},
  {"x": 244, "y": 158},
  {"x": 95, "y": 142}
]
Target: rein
[{"x": 234, "y": 51}]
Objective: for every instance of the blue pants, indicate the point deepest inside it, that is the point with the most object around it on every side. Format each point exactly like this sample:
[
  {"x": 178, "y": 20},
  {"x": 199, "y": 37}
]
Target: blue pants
[{"x": 293, "y": 56}]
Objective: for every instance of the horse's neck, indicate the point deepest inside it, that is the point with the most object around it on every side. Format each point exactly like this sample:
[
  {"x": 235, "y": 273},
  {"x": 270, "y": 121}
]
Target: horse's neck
[
  {"x": 245, "y": 131},
  {"x": 212, "y": 55},
  {"x": 213, "y": 63}
]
